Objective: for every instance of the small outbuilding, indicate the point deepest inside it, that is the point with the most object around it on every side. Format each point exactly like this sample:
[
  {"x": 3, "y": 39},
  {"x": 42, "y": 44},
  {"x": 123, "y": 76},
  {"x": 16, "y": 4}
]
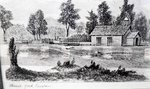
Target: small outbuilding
[{"x": 134, "y": 38}]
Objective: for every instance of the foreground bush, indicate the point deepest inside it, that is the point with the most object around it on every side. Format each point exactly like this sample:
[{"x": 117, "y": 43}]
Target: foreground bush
[
  {"x": 22, "y": 74},
  {"x": 78, "y": 38},
  {"x": 93, "y": 72},
  {"x": 96, "y": 73},
  {"x": 66, "y": 66},
  {"x": 71, "y": 44},
  {"x": 97, "y": 54}
]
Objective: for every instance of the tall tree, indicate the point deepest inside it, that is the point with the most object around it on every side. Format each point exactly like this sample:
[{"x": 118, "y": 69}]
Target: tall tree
[
  {"x": 104, "y": 14},
  {"x": 68, "y": 15},
  {"x": 92, "y": 22},
  {"x": 140, "y": 25},
  {"x": 126, "y": 9},
  {"x": 31, "y": 26},
  {"x": 40, "y": 23},
  {"x": 37, "y": 25},
  {"x": 5, "y": 17}
]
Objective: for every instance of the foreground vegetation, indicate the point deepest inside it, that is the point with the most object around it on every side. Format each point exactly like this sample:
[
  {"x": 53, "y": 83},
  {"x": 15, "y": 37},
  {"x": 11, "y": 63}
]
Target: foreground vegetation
[{"x": 93, "y": 72}]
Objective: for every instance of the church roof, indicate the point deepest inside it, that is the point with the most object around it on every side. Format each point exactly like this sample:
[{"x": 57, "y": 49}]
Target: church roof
[
  {"x": 110, "y": 30},
  {"x": 132, "y": 35}
]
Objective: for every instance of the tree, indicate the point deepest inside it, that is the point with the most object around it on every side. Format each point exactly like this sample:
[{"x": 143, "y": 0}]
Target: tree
[
  {"x": 104, "y": 14},
  {"x": 40, "y": 24},
  {"x": 68, "y": 15},
  {"x": 92, "y": 22},
  {"x": 5, "y": 17},
  {"x": 13, "y": 53},
  {"x": 18, "y": 32},
  {"x": 80, "y": 27},
  {"x": 31, "y": 26},
  {"x": 140, "y": 25},
  {"x": 37, "y": 25},
  {"x": 126, "y": 9}
]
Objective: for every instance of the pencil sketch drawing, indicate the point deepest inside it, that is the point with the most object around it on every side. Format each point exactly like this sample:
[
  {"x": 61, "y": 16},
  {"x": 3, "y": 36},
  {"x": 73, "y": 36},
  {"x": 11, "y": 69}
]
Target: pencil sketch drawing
[{"x": 70, "y": 40}]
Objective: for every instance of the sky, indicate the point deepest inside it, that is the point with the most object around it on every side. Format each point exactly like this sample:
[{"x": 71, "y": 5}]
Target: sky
[{"x": 22, "y": 9}]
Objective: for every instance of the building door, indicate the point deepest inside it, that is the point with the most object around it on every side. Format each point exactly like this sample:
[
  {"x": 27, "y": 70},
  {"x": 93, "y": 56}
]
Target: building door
[
  {"x": 109, "y": 41},
  {"x": 137, "y": 42},
  {"x": 99, "y": 40}
]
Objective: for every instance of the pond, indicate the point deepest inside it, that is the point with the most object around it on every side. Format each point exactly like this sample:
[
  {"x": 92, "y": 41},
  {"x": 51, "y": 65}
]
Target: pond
[{"x": 35, "y": 54}]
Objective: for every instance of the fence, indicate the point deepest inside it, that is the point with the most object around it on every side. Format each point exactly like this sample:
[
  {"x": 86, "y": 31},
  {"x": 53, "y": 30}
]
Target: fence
[{"x": 76, "y": 43}]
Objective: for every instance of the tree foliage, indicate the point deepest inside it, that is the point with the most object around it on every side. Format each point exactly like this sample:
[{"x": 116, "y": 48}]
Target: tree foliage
[
  {"x": 68, "y": 15},
  {"x": 126, "y": 9},
  {"x": 37, "y": 25},
  {"x": 5, "y": 18},
  {"x": 40, "y": 23},
  {"x": 19, "y": 33},
  {"x": 31, "y": 25},
  {"x": 80, "y": 27},
  {"x": 140, "y": 25},
  {"x": 92, "y": 22},
  {"x": 104, "y": 14}
]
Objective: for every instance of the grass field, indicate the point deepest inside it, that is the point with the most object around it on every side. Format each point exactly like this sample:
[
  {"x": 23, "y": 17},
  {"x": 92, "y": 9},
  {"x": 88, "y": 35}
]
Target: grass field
[{"x": 48, "y": 55}]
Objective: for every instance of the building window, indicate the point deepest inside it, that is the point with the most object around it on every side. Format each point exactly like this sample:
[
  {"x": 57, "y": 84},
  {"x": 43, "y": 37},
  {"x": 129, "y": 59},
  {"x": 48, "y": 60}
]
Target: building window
[
  {"x": 99, "y": 40},
  {"x": 109, "y": 41}
]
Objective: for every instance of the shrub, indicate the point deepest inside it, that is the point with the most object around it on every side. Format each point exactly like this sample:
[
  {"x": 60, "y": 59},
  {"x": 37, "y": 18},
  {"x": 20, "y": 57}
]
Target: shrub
[
  {"x": 49, "y": 41},
  {"x": 97, "y": 54},
  {"x": 67, "y": 64},
  {"x": 73, "y": 62},
  {"x": 59, "y": 63},
  {"x": 123, "y": 72},
  {"x": 77, "y": 38},
  {"x": 86, "y": 73},
  {"x": 71, "y": 44},
  {"x": 93, "y": 66}
]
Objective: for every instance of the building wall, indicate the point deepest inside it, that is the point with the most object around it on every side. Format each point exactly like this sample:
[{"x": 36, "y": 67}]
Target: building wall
[
  {"x": 104, "y": 40},
  {"x": 93, "y": 40},
  {"x": 117, "y": 40},
  {"x": 129, "y": 42},
  {"x": 125, "y": 37},
  {"x": 139, "y": 40}
]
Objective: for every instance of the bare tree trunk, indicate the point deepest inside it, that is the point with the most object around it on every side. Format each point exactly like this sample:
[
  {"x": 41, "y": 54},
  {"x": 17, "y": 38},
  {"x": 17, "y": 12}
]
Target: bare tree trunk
[
  {"x": 67, "y": 32},
  {"x": 39, "y": 36},
  {"x": 34, "y": 37},
  {"x": 13, "y": 53},
  {"x": 67, "y": 28},
  {"x": 4, "y": 35}
]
